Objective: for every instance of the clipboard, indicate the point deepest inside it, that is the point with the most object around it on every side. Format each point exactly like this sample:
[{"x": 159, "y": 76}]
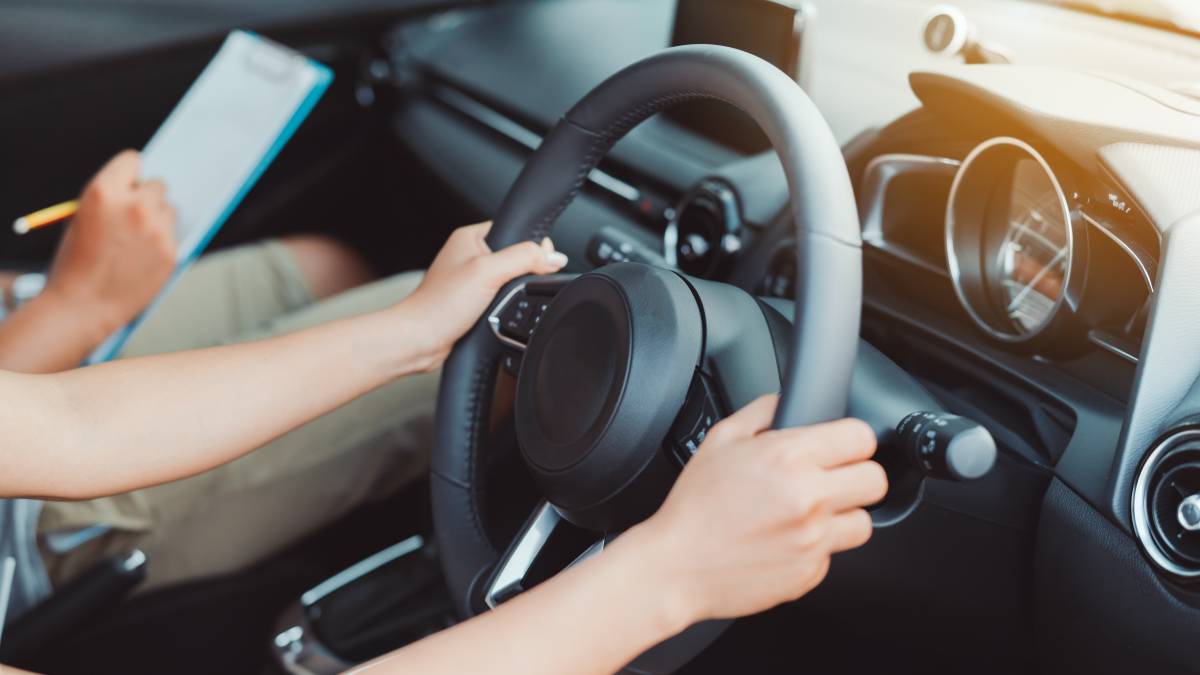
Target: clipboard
[{"x": 218, "y": 141}]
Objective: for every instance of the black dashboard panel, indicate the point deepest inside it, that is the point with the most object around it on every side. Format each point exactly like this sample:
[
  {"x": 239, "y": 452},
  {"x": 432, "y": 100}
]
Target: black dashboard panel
[
  {"x": 554, "y": 53},
  {"x": 1101, "y": 608},
  {"x": 460, "y": 153},
  {"x": 509, "y": 71},
  {"x": 41, "y": 37}
]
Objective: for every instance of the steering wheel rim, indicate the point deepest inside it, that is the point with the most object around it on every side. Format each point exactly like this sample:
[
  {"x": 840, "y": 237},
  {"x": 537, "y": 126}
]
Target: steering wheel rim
[{"x": 828, "y": 298}]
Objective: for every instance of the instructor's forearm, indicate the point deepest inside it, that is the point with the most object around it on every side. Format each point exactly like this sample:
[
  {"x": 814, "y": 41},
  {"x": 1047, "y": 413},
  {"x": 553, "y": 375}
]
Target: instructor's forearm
[
  {"x": 589, "y": 620},
  {"x": 132, "y": 423},
  {"x": 50, "y": 334}
]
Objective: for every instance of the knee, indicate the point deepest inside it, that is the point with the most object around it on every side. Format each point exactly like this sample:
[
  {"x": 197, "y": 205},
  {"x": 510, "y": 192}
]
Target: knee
[{"x": 329, "y": 267}]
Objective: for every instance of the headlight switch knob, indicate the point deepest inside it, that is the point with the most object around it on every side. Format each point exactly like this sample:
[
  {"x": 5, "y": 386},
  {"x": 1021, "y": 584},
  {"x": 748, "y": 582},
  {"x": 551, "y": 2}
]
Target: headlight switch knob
[{"x": 945, "y": 446}]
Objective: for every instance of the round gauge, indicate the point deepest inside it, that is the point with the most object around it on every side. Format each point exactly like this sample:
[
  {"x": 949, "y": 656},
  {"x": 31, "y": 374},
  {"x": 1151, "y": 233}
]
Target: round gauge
[
  {"x": 1035, "y": 250},
  {"x": 1009, "y": 240}
]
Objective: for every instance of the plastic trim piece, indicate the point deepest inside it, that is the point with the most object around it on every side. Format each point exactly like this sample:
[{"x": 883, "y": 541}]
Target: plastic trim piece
[
  {"x": 361, "y": 569},
  {"x": 1165, "y": 388},
  {"x": 877, "y": 177},
  {"x": 1142, "y": 266},
  {"x": 497, "y": 122},
  {"x": 529, "y": 543},
  {"x": 493, "y": 319},
  {"x": 509, "y": 578}
]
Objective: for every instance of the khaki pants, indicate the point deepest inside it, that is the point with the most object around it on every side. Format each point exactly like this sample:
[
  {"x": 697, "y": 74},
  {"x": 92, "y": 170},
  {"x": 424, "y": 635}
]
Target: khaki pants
[{"x": 238, "y": 514}]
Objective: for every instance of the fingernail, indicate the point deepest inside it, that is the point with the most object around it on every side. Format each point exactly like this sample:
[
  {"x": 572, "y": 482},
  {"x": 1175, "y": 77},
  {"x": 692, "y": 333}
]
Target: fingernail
[{"x": 557, "y": 259}]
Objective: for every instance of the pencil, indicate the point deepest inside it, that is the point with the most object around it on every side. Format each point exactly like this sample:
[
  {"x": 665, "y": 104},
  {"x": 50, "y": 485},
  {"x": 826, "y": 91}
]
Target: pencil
[{"x": 46, "y": 216}]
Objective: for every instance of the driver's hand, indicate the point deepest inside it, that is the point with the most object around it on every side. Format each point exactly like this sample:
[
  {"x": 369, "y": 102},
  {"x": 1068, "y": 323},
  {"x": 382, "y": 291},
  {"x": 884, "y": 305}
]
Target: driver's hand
[
  {"x": 757, "y": 513},
  {"x": 464, "y": 279},
  {"x": 119, "y": 249}
]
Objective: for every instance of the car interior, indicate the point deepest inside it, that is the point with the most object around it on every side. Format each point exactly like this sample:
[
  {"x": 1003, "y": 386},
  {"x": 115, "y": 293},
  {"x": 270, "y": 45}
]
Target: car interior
[{"x": 974, "y": 221}]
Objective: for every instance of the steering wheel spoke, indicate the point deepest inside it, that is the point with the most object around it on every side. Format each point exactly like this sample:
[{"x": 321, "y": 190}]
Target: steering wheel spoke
[
  {"x": 545, "y": 543},
  {"x": 519, "y": 311}
]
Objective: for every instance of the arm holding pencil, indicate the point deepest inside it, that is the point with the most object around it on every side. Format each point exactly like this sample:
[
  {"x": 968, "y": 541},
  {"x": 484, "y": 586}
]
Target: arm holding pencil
[{"x": 117, "y": 253}]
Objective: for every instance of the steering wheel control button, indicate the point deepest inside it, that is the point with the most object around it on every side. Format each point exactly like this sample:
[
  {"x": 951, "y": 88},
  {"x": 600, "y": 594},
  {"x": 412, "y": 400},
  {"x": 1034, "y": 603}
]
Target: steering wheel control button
[
  {"x": 519, "y": 313},
  {"x": 517, "y": 320},
  {"x": 947, "y": 447},
  {"x": 511, "y": 320},
  {"x": 511, "y": 363},
  {"x": 699, "y": 414}
]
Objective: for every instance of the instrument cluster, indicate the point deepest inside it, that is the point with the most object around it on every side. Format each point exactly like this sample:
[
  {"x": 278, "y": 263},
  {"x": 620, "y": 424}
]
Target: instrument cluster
[{"x": 1042, "y": 256}]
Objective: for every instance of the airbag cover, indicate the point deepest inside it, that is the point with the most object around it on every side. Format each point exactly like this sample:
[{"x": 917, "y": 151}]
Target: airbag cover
[{"x": 604, "y": 376}]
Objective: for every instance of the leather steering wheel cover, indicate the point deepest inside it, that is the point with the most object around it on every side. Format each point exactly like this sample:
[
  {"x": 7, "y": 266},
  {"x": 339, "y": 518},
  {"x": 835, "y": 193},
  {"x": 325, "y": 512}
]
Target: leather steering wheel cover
[
  {"x": 828, "y": 247},
  {"x": 457, "y": 482}
]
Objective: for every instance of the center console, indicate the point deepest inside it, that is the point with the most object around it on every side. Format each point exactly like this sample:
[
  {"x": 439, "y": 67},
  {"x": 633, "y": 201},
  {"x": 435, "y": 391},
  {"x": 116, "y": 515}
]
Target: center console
[{"x": 375, "y": 606}]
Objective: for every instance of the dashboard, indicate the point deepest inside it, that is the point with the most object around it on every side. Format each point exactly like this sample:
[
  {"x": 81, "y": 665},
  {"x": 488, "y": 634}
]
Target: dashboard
[{"x": 1029, "y": 234}]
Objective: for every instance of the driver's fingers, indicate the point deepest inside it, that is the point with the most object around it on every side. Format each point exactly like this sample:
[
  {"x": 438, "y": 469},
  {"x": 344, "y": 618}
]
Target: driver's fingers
[
  {"x": 752, "y": 419},
  {"x": 850, "y": 530},
  {"x": 853, "y": 486},
  {"x": 524, "y": 258},
  {"x": 826, "y": 445},
  {"x": 477, "y": 231},
  {"x": 462, "y": 246}
]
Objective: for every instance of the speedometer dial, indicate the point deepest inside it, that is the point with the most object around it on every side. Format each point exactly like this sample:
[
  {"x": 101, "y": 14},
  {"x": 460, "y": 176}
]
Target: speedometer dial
[
  {"x": 1035, "y": 250},
  {"x": 1009, "y": 240}
]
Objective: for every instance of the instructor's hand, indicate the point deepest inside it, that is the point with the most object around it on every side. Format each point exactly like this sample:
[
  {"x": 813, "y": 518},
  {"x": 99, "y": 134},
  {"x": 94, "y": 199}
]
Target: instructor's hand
[
  {"x": 464, "y": 280},
  {"x": 757, "y": 513},
  {"x": 119, "y": 249}
]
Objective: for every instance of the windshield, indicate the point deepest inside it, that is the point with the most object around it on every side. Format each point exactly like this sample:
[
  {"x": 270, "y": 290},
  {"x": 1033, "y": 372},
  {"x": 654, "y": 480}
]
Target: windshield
[{"x": 1181, "y": 14}]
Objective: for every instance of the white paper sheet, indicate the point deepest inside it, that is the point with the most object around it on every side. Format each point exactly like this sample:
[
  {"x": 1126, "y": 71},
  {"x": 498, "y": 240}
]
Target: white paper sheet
[{"x": 221, "y": 137}]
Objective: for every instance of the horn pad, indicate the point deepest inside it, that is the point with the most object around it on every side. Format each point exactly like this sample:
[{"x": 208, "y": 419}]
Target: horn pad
[{"x": 602, "y": 380}]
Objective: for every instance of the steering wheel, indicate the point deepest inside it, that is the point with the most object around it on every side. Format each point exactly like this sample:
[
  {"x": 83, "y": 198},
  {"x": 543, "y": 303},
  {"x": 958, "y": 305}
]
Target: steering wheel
[{"x": 630, "y": 364}]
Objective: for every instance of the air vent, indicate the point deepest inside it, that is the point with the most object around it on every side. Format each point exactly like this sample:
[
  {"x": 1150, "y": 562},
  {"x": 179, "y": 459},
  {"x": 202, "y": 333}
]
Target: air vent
[
  {"x": 706, "y": 231},
  {"x": 1166, "y": 504}
]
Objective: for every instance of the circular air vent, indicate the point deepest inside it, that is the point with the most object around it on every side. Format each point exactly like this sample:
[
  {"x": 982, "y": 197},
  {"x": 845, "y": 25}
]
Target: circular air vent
[
  {"x": 706, "y": 230},
  {"x": 1166, "y": 504}
]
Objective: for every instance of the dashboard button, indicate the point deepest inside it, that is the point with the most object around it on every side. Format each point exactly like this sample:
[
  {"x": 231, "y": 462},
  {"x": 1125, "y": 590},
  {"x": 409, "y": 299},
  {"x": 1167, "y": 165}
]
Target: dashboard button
[
  {"x": 611, "y": 245},
  {"x": 517, "y": 318}
]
